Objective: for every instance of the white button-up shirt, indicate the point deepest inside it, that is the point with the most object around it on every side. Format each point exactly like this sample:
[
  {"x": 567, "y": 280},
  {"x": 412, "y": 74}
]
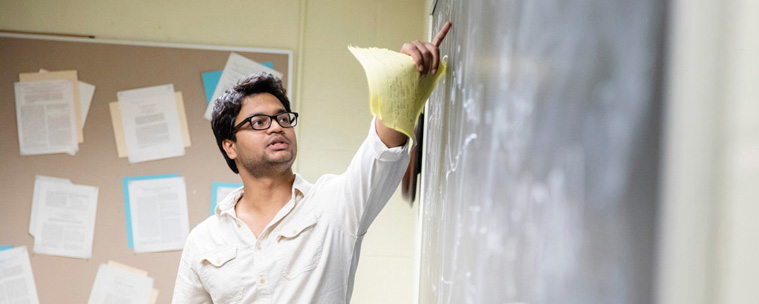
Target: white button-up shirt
[{"x": 308, "y": 253}]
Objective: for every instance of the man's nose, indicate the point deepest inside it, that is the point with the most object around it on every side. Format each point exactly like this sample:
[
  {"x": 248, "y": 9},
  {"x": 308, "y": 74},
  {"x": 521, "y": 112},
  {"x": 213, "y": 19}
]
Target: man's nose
[{"x": 274, "y": 127}]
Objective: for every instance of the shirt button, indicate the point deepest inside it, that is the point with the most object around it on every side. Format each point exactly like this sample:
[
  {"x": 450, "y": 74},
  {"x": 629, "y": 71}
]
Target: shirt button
[
  {"x": 262, "y": 281},
  {"x": 258, "y": 246},
  {"x": 294, "y": 231}
]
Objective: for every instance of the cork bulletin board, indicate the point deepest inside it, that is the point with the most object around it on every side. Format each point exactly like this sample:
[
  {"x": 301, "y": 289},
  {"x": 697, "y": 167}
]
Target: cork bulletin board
[{"x": 111, "y": 66}]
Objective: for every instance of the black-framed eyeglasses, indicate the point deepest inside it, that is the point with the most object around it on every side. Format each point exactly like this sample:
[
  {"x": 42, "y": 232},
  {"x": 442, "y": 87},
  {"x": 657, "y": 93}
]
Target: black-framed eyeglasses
[{"x": 262, "y": 122}]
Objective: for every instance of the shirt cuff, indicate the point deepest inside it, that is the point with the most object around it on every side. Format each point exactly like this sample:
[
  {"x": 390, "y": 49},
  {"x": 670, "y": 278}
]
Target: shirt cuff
[{"x": 380, "y": 150}]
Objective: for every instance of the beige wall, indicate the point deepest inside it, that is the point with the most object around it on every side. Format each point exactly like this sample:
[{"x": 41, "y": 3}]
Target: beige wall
[
  {"x": 710, "y": 235},
  {"x": 738, "y": 232},
  {"x": 335, "y": 98},
  {"x": 329, "y": 88}
]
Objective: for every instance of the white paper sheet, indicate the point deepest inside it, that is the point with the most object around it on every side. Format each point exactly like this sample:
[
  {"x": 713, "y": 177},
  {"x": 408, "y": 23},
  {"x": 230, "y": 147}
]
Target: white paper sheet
[
  {"x": 222, "y": 192},
  {"x": 152, "y": 128},
  {"x": 46, "y": 118},
  {"x": 153, "y": 294},
  {"x": 86, "y": 92},
  {"x": 236, "y": 68},
  {"x": 114, "y": 285},
  {"x": 159, "y": 214},
  {"x": 16, "y": 278},
  {"x": 71, "y": 76},
  {"x": 65, "y": 219},
  {"x": 118, "y": 126},
  {"x": 39, "y": 184}
]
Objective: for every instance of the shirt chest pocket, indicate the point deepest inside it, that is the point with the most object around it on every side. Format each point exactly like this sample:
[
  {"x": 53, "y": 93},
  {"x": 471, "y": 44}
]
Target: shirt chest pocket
[
  {"x": 300, "y": 247},
  {"x": 221, "y": 275}
]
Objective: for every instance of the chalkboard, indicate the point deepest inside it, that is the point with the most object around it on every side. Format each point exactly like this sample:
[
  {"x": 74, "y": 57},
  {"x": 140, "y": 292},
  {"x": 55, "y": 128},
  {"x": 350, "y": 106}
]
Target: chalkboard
[
  {"x": 111, "y": 66},
  {"x": 539, "y": 181}
]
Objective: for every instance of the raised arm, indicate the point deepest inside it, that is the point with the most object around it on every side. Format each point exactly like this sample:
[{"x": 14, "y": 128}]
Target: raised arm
[{"x": 426, "y": 56}]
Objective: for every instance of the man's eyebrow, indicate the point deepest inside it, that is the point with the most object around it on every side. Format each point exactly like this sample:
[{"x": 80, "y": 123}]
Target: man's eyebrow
[{"x": 280, "y": 111}]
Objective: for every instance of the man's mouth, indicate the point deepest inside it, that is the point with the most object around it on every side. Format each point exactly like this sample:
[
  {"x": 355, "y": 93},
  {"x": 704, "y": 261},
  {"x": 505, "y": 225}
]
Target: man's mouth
[{"x": 278, "y": 144}]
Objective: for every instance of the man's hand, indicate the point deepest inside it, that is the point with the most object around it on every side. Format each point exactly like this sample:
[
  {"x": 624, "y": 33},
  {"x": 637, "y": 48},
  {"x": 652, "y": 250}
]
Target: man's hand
[
  {"x": 427, "y": 54},
  {"x": 426, "y": 57}
]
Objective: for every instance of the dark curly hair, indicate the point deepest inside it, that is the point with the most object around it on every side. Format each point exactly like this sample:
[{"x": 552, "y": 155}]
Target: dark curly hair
[{"x": 228, "y": 106}]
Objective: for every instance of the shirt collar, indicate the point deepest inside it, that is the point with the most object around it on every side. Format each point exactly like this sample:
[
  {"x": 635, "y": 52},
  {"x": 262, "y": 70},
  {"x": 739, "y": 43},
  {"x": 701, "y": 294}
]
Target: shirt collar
[
  {"x": 301, "y": 185},
  {"x": 227, "y": 205}
]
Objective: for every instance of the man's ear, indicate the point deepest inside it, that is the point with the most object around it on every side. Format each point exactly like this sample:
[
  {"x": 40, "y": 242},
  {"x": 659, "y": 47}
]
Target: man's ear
[{"x": 230, "y": 147}]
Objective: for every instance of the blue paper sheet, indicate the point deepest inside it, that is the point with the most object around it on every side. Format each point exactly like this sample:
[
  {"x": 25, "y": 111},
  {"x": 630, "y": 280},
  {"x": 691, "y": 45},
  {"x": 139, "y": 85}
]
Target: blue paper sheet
[
  {"x": 127, "y": 209},
  {"x": 5, "y": 247},
  {"x": 215, "y": 193},
  {"x": 211, "y": 80}
]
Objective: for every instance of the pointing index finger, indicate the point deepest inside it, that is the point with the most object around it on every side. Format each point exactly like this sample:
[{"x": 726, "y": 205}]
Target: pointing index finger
[{"x": 441, "y": 34}]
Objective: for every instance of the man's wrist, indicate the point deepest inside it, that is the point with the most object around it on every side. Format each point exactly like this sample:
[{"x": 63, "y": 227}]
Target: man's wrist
[{"x": 390, "y": 137}]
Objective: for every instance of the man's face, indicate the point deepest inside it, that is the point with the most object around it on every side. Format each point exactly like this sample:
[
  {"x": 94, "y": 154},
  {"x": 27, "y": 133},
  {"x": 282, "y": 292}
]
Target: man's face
[{"x": 260, "y": 152}]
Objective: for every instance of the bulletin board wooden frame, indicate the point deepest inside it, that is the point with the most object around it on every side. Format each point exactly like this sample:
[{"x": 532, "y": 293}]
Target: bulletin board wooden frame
[{"x": 111, "y": 66}]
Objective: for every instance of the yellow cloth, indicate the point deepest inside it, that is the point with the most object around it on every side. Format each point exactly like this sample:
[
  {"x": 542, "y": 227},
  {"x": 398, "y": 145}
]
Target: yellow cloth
[{"x": 397, "y": 91}]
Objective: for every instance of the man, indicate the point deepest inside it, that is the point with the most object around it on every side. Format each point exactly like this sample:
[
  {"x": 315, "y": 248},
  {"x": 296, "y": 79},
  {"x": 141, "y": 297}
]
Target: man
[{"x": 280, "y": 239}]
